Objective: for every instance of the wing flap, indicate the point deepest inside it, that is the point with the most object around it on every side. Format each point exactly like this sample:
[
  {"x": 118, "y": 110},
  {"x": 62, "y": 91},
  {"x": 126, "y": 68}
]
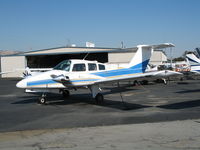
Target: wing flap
[{"x": 163, "y": 73}]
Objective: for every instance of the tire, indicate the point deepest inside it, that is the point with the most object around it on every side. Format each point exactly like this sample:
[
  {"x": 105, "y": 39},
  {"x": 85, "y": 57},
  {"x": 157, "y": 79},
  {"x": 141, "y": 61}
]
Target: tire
[
  {"x": 99, "y": 98},
  {"x": 65, "y": 93},
  {"x": 42, "y": 100}
]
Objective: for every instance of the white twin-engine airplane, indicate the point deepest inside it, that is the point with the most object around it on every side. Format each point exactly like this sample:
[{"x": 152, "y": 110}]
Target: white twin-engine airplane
[{"x": 81, "y": 73}]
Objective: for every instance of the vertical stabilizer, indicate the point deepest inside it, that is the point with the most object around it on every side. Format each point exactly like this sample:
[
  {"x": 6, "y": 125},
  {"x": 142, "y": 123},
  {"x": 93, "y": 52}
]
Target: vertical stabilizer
[
  {"x": 143, "y": 54},
  {"x": 194, "y": 63},
  {"x": 192, "y": 59},
  {"x": 141, "y": 58},
  {"x": 198, "y": 52}
]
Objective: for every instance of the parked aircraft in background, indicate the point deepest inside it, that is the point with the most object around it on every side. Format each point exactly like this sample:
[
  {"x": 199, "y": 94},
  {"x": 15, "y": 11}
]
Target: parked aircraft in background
[
  {"x": 194, "y": 63},
  {"x": 82, "y": 73},
  {"x": 198, "y": 52}
]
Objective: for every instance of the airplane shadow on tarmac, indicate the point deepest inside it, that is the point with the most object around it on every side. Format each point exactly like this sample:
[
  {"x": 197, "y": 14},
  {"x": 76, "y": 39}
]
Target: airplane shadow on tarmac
[
  {"x": 27, "y": 100},
  {"x": 185, "y": 104},
  {"x": 107, "y": 103},
  {"x": 189, "y": 91},
  {"x": 55, "y": 99},
  {"x": 181, "y": 105},
  {"x": 86, "y": 99}
]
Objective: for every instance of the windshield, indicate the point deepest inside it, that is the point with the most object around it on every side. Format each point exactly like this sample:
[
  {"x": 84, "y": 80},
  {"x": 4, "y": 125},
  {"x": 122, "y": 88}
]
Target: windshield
[{"x": 64, "y": 65}]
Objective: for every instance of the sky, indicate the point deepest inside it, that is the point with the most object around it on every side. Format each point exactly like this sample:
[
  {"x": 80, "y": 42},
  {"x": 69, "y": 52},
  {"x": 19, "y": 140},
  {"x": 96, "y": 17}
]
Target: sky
[{"x": 40, "y": 24}]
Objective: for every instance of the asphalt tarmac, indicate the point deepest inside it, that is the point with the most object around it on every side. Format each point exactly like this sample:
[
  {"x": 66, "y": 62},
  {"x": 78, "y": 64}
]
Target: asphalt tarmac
[{"x": 127, "y": 104}]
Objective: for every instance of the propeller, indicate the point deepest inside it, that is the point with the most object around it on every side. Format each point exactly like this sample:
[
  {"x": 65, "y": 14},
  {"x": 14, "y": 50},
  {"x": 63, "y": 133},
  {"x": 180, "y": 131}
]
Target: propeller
[{"x": 59, "y": 78}]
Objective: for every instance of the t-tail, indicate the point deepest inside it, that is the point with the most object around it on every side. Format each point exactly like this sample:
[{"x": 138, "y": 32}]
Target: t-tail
[{"x": 143, "y": 54}]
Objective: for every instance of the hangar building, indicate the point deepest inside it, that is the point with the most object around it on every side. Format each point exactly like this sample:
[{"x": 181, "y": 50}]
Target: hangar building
[{"x": 48, "y": 58}]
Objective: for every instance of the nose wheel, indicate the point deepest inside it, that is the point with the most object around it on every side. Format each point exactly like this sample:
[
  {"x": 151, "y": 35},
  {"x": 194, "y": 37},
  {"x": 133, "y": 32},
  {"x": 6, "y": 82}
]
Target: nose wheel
[{"x": 42, "y": 99}]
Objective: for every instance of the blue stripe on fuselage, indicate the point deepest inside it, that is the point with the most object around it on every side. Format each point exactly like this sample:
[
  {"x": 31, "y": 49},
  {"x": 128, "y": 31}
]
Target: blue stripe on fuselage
[
  {"x": 49, "y": 81},
  {"x": 40, "y": 82},
  {"x": 196, "y": 70},
  {"x": 139, "y": 68},
  {"x": 84, "y": 80}
]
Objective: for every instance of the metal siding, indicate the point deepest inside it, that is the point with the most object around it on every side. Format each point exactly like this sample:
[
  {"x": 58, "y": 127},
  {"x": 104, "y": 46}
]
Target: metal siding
[
  {"x": 157, "y": 57},
  {"x": 13, "y": 63},
  {"x": 120, "y": 57}
]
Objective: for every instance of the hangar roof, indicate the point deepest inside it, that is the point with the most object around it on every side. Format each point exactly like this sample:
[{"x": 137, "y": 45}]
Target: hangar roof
[{"x": 71, "y": 50}]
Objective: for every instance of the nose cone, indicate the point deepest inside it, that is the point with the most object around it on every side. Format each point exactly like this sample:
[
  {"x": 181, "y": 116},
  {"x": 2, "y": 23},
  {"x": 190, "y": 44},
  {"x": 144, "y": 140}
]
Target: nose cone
[{"x": 21, "y": 84}]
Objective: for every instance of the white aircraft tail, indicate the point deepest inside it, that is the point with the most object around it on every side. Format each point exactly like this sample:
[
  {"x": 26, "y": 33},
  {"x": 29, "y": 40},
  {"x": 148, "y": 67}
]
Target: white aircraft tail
[
  {"x": 192, "y": 59},
  {"x": 143, "y": 54},
  {"x": 198, "y": 52},
  {"x": 194, "y": 63}
]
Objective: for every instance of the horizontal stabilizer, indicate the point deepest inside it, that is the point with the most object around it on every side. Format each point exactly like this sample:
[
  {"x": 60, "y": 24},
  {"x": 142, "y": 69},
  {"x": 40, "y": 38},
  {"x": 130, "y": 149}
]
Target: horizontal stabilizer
[{"x": 143, "y": 54}]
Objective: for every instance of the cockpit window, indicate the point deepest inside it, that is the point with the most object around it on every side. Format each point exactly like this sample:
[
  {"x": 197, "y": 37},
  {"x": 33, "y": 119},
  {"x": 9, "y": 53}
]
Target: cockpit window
[
  {"x": 92, "y": 67},
  {"x": 101, "y": 67},
  {"x": 79, "y": 67},
  {"x": 64, "y": 65}
]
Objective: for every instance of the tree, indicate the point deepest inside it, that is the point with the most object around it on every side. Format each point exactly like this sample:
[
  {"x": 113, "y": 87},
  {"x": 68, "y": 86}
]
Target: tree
[{"x": 179, "y": 59}]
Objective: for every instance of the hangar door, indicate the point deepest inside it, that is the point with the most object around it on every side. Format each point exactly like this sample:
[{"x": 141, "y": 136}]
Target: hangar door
[
  {"x": 15, "y": 65},
  {"x": 49, "y": 61}
]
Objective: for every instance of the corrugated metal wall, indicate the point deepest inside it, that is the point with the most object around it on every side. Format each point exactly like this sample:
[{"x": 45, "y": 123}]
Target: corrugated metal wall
[{"x": 13, "y": 64}]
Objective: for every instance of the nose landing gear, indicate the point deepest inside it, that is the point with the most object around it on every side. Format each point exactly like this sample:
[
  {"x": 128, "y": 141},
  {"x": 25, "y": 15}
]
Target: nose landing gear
[{"x": 42, "y": 99}]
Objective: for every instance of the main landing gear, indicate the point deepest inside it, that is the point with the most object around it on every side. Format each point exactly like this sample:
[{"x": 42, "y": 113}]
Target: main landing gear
[
  {"x": 65, "y": 93},
  {"x": 99, "y": 98},
  {"x": 96, "y": 94}
]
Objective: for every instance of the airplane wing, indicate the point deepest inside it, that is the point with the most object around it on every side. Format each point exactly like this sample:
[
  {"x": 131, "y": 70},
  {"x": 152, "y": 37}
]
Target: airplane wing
[
  {"x": 163, "y": 73},
  {"x": 195, "y": 72}
]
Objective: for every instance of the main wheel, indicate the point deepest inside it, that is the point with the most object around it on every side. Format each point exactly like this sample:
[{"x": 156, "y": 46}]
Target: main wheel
[
  {"x": 42, "y": 100},
  {"x": 99, "y": 98},
  {"x": 65, "y": 93}
]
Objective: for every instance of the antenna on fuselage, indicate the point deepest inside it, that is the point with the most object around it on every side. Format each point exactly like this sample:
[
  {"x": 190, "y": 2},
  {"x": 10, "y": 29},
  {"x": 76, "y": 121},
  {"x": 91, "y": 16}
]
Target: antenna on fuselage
[{"x": 86, "y": 56}]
